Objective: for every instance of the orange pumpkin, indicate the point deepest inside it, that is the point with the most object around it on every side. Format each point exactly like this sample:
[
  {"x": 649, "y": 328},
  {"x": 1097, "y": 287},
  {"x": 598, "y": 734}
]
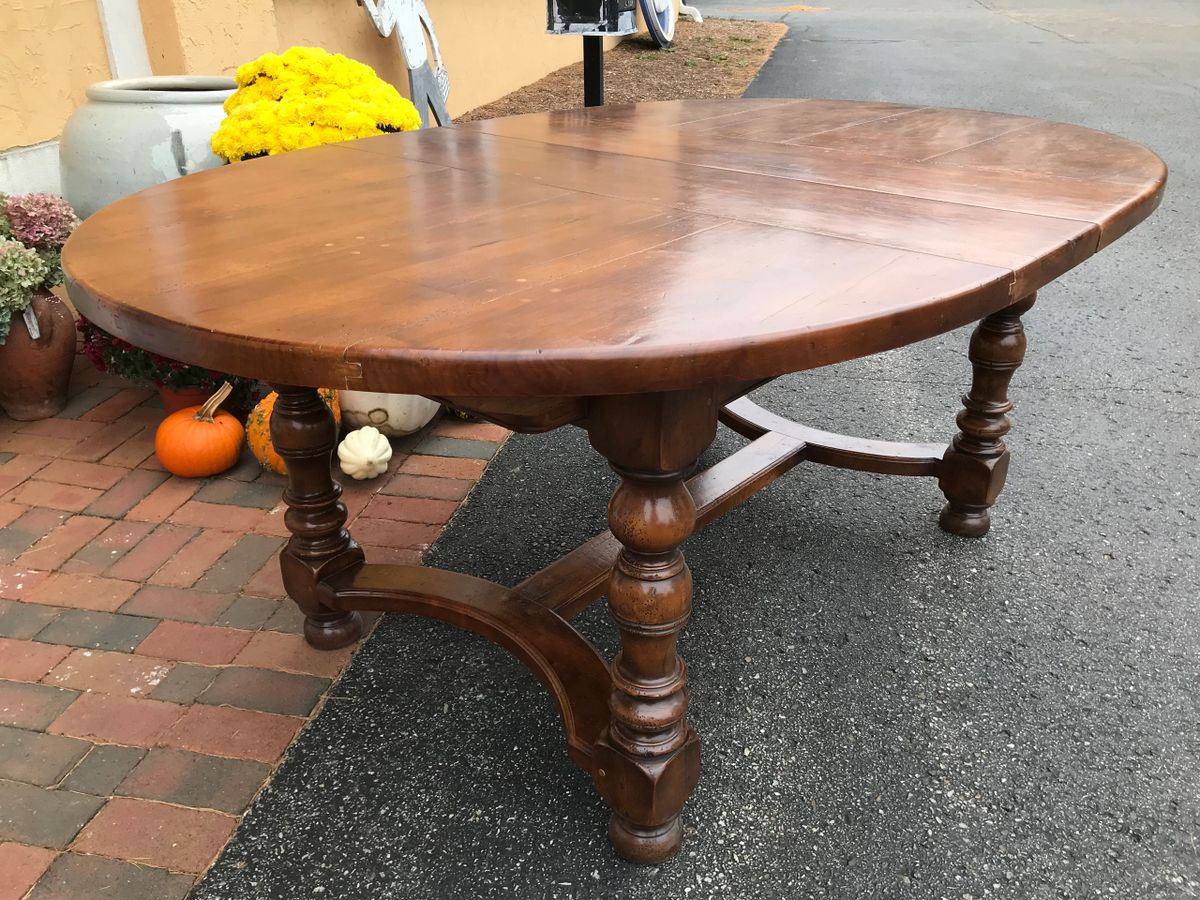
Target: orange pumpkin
[
  {"x": 199, "y": 440},
  {"x": 258, "y": 429}
]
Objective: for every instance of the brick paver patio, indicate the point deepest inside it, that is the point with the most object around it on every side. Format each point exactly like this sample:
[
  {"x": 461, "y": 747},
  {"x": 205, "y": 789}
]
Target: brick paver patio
[{"x": 152, "y": 673}]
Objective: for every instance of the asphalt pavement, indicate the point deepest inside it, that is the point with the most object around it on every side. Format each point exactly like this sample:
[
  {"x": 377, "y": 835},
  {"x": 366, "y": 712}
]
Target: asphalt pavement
[{"x": 887, "y": 711}]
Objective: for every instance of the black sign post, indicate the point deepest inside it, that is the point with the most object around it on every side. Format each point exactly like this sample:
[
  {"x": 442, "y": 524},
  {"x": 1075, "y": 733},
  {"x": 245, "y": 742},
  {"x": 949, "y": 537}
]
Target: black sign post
[
  {"x": 593, "y": 70},
  {"x": 594, "y": 20}
]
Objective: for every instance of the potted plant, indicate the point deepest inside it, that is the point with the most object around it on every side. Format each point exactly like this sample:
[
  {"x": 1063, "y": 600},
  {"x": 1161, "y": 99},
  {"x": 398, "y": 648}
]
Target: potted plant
[
  {"x": 37, "y": 340},
  {"x": 179, "y": 385},
  {"x": 306, "y": 97}
]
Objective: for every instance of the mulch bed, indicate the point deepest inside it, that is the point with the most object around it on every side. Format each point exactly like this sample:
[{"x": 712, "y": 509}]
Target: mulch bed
[{"x": 718, "y": 58}]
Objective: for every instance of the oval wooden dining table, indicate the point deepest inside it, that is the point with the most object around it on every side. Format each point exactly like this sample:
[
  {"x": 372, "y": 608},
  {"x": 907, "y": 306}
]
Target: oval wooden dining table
[{"x": 634, "y": 271}]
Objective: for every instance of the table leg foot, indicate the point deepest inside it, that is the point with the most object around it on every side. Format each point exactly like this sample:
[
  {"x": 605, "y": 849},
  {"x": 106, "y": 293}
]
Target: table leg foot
[
  {"x": 304, "y": 434},
  {"x": 964, "y": 521},
  {"x": 975, "y": 465},
  {"x": 645, "y": 845},
  {"x": 338, "y": 630}
]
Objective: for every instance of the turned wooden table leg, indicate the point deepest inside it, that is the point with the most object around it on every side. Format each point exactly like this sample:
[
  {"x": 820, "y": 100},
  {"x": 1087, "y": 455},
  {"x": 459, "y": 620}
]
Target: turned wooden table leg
[
  {"x": 647, "y": 761},
  {"x": 976, "y": 462},
  {"x": 304, "y": 434}
]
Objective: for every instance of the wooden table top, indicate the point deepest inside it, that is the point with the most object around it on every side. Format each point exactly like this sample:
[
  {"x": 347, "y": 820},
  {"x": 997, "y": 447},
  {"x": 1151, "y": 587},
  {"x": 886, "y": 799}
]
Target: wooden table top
[{"x": 613, "y": 250}]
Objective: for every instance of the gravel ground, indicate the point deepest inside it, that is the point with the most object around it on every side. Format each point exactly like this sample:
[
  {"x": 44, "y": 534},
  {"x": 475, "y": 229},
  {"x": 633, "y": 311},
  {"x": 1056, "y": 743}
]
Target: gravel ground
[
  {"x": 716, "y": 59},
  {"x": 886, "y": 711}
]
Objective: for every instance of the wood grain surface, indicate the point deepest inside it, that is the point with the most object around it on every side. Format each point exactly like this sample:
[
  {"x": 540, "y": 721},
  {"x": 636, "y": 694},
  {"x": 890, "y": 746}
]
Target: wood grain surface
[{"x": 622, "y": 249}]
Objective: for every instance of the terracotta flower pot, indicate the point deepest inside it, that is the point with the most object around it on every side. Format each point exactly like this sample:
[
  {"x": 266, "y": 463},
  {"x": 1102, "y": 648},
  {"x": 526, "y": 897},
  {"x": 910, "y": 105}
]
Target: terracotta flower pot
[
  {"x": 174, "y": 400},
  {"x": 34, "y": 374}
]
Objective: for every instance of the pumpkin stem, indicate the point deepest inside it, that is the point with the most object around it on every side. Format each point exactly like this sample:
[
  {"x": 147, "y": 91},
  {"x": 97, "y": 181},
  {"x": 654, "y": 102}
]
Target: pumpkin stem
[{"x": 205, "y": 413}]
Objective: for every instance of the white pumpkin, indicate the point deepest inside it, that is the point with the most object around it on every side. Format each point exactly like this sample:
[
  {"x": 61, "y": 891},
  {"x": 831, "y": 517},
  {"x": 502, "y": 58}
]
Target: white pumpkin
[
  {"x": 364, "y": 453},
  {"x": 396, "y": 415}
]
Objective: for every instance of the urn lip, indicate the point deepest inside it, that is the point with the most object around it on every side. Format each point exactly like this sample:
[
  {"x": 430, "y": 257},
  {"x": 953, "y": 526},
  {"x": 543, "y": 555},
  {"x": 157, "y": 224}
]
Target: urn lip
[{"x": 164, "y": 89}]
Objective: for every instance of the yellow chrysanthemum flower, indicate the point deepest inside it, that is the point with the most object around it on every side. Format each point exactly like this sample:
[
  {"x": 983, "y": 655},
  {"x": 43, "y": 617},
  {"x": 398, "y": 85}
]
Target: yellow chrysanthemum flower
[{"x": 306, "y": 97}]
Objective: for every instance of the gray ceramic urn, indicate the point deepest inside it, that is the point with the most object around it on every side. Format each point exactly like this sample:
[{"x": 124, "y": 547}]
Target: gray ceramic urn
[{"x": 137, "y": 132}]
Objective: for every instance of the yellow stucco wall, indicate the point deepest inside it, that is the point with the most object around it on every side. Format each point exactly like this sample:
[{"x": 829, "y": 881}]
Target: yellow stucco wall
[
  {"x": 490, "y": 48},
  {"x": 487, "y": 52},
  {"x": 160, "y": 25},
  {"x": 208, "y": 37},
  {"x": 51, "y": 50}
]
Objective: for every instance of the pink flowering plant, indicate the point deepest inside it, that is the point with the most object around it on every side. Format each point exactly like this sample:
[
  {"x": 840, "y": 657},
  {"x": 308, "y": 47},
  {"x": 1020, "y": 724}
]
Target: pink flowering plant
[
  {"x": 33, "y": 229},
  {"x": 42, "y": 222}
]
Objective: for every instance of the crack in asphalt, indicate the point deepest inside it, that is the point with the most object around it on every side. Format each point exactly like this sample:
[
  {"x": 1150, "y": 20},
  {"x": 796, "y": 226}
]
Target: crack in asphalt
[
  {"x": 1023, "y": 21},
  {"x": 1106, "y": 50}
]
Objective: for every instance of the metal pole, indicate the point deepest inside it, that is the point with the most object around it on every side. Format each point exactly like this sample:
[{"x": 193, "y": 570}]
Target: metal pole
[{"x": 593, "y": 70}]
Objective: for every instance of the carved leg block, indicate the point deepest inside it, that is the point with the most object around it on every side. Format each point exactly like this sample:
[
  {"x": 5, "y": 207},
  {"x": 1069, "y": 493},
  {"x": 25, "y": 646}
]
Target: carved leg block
[
  {"x": 304, "y": 434},
  {"x": 975, "y": 466}
]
